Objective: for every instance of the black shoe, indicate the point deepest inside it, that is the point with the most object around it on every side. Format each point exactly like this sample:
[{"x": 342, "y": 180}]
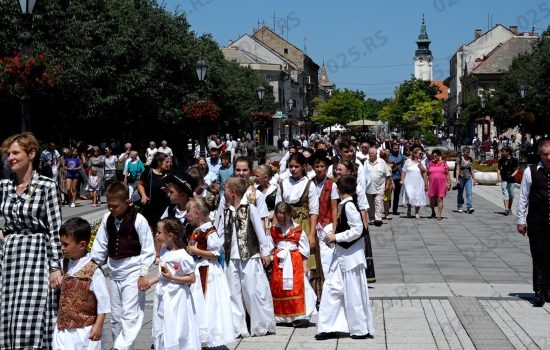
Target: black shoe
[
  {"x": 547, "y": 296},
  {"x": 395, "y": 213},
  {"x": 470, "y": 210},
  {"x": 300, "y": 323},
  {"x": 326, "y": 336},
  {"x": 364, "y": 336},
  {"x": 538, "y": 300},
  {"x": 377, "y": 222}
]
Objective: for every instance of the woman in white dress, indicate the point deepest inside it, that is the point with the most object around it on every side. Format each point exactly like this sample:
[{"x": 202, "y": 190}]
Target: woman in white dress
[
  {"x": 412, "y": 179},
  {"x": 206, "y": 245},
  {"x": 174, "y": 319}
]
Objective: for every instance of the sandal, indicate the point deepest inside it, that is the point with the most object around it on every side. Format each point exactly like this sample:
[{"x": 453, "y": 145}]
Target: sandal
[{"x": 157, "y": 260}]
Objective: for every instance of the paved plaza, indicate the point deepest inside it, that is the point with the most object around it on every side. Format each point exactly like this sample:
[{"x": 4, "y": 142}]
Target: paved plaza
[{"x": 460, "y": 283}]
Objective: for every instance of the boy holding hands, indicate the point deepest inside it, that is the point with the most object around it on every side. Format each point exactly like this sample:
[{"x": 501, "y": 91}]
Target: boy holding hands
[
  {"x": 345, "y": 299},
  {"x": 84, "y": 295},
  {"x": 125, "y": 238}
]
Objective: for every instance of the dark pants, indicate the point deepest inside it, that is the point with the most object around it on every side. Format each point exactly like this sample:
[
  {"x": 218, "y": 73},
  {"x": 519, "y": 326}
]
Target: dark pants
[
  {"x": 396, "y": 193},
  {"x": 539, "y": 242}
]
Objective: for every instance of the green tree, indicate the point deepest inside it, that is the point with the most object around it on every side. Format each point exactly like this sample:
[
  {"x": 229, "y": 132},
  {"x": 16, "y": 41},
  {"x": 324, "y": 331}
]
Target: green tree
[
  {"x": 341, "y": 108},
  {"x": 128, "y": 68},
  {"x": 414, "y": 107},
  {"x": 533, "y": 71}
]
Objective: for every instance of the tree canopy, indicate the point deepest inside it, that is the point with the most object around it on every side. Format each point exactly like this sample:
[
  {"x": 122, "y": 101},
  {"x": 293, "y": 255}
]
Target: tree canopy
[
  {"x": 342, "y": 107},
  {"x": 533, "y": 71},
  {"x": 127, "y": 71},
  {"x": 414, "y": 107}
]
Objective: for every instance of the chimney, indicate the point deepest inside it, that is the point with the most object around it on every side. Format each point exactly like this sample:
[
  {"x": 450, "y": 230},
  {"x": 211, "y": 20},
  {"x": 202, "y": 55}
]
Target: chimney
[
  {"x": 514, "y": 29},
  {"x": 477, "y": 33}
]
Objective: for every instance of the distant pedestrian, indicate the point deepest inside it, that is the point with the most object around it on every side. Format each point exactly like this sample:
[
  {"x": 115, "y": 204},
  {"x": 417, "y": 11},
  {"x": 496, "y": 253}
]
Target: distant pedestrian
[
  {"x": 438, "y": 181},
  {"x": 93, "y": 186},
  {"x": 73, "y": 166},
  {"x": 507, "y": 169},
  {"x": 465, "y": 178},
  {"x": 535, "y": 191},
  {"x": 412, "y": 178}
]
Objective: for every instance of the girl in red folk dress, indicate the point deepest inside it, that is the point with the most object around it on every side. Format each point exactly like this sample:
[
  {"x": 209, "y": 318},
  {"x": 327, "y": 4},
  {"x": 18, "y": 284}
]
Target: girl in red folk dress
[{"x": 293, "y": 297}]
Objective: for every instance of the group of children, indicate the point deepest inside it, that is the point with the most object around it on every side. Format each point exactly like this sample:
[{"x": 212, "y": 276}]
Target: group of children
[{"x": 210, "y": 276}]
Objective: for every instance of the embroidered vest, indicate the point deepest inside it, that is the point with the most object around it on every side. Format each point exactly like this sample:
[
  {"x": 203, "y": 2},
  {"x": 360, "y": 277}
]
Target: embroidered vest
[
  {"x": 247, "y": 241},
  {"x": 344, "y": 226},
  {"x": 325, "y": 209},
  {"x": 123, "y": 243},
  {"x": 300, "y": 209},
  {"x": 78, "y": 305},
  {"x": 539, "y": 198}
]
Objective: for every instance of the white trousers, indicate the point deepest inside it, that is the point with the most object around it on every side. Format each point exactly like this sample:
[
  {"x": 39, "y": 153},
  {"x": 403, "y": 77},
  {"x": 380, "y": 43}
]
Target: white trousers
[
  {"x": 376, "y": 206},
  {"x": 345, "y": 303},
  {"x": 250, "y": 293},
  {"x": 127, "y": 309}
]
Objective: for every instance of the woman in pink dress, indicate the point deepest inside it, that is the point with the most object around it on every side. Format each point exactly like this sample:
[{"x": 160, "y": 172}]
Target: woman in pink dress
[{"x": 438, "y": 182}]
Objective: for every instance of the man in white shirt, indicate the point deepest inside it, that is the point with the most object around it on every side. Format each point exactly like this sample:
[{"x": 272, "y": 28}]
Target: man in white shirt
[
  {"x": 380, "y": 179},
  {"x": 363, "y": 153},
  {"x": 166, "y": 150},
  {"x": 535, "y": 195},
  {"x": 150, "y": 153},
  {"x": 213, "y": 162}
]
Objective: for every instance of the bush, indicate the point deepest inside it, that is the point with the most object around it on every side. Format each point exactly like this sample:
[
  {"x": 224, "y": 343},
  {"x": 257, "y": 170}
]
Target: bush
[{"x": 430, "y": 139}]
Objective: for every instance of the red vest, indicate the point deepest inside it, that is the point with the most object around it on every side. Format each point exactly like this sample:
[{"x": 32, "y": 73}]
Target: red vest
[{"x": 325, "y": 209}]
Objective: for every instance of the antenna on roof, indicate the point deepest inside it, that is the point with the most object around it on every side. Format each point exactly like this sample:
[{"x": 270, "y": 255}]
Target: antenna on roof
[
  {"x": 305, "y": 45},
  {"x": 274, "y": 30}
]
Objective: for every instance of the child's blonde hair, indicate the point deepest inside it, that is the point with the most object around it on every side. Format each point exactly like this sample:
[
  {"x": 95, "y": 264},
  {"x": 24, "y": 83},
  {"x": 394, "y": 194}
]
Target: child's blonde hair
[
  {"x": 237, "y": 184},
  {"x": 200, "y": 205}
]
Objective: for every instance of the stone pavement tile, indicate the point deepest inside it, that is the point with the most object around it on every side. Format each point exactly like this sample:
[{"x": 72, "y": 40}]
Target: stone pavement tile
[
  {"x": 473, "y": 290},
  {"x": 428, "y": 289},
  {"x": 509, "y": 327},
  {"x": 388, "y": 290},
  {"x": 416, "y": 346},
  {"x": 272, "y": 338},
  {"x": 256, "y": 346},
  {"x": 512, "y": 289}
]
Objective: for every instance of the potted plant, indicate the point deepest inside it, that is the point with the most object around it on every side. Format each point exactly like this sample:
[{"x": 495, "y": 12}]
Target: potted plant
[{"x": 486, "y": 173}]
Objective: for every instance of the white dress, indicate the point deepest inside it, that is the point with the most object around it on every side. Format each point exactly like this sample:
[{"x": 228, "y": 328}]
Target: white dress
[
  {"x": 217, "y": 299},
  {"x": 414, "y": 185},
  {"x": 174, "y": 319}
]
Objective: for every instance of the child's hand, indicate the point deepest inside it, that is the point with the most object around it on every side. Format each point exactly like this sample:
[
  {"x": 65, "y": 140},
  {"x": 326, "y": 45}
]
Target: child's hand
[
  {"x": 143, "y": 283},
  {"x": 168, "y": 275},
  {"x": 95, "y": 332},
  {"x": 192, "y": 249},
  {"x": 331, "y": 237},
  {"x": 266, "y": 260}
]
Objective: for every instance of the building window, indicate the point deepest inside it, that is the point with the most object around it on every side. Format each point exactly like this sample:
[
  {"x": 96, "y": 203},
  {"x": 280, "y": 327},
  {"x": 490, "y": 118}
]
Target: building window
[{"x": 286, "y": 51}]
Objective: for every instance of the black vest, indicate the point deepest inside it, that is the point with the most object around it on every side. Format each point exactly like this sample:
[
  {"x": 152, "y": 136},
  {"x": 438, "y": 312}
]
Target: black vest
[
  {"x": 343, "y": 225},
  {"x": 123, "y": 243},
  {"x": 539, "y": 198}
]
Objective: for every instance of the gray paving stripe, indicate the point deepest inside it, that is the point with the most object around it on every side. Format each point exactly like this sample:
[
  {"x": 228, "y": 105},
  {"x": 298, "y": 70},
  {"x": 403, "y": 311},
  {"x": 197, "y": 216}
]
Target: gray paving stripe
[{"x": 480, "y": 327}]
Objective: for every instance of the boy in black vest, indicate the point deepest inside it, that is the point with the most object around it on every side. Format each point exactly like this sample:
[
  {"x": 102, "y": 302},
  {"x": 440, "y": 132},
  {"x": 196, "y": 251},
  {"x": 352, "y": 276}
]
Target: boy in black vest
[
  {"x": 345, "y": 299},
  {"x": 125, "y": 237}
]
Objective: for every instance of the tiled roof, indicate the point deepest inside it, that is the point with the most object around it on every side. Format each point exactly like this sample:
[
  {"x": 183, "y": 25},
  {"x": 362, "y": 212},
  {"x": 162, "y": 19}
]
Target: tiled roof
[
  {"x": 500, "y": 59},
  {"x": 443, "y": 90}
]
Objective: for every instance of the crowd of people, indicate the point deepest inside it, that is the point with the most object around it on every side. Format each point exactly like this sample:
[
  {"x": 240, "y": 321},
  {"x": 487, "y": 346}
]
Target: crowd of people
[{"x": 276, "y": 244}]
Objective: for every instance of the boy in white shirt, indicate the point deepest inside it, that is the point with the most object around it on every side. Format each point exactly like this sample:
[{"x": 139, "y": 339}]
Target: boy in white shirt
[
  {"x": 124, "y": 236},
  {"x": 84, "y": 294},
  {"x": 345, "y": 299}
]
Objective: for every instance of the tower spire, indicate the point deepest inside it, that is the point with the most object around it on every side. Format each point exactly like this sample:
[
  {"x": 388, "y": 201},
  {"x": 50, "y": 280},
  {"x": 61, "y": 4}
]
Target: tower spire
[{"x": 423, "y": 55}]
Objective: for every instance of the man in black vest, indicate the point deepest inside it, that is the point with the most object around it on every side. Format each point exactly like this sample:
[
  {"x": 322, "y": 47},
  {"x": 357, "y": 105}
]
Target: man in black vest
[{"x": 535, "y": 194}]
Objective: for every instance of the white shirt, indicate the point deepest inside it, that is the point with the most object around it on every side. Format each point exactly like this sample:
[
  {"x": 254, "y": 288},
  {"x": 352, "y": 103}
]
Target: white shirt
[
  {"x": 523, "y": 203},
  {"x": 120, "y": 269},
  {"x": 293, "y": 190},
  {"x": 166, "y": 150},
  {"x": 149, "y": 154},
  {"x": 379, "y": 171},
  {"x": 110, "y": 163},
  {"x": 283, "y": 162},
  {"x": 214, "y": 243}
]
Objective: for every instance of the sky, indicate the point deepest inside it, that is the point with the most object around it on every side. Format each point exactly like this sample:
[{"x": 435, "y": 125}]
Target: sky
[{"x": 366, "y": 45}]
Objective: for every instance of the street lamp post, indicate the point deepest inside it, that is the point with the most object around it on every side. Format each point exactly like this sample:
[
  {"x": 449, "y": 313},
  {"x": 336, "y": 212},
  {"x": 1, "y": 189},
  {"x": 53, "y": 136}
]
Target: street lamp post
[
  {"x": 261, "y": 93},
  {"x": 201, "y": 67},
  {"x": 289, "y": 105},
  {"x": 27, "y": 7},
  {"x": 523, "y": 91}
]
